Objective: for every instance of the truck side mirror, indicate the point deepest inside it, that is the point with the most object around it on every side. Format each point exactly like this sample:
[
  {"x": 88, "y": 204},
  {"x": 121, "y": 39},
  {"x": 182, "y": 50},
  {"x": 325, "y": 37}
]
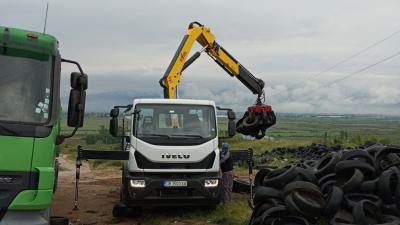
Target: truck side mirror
[
  {"x": 77, "y": 99},
  {"x": 114, "y": 112},
  {"x": 76, "y": 108},
  {"x": 79, "y": 80},
  {"x": 114, "y": 126},
  {"x": 231, "y": 128},
  {"x": 231, "y": 123},
  {"x": 231, "y": 115}
]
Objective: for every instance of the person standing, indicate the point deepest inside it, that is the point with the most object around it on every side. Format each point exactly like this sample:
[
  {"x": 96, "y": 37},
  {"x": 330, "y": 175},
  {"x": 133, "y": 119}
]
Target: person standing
[{"x": 226, "y": 164}]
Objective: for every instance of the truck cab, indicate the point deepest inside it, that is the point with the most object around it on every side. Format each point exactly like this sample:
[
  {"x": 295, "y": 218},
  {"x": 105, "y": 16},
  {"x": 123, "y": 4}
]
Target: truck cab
[
  {"x": 30, "y": 111},
  {"x": 173, "y": 154}
]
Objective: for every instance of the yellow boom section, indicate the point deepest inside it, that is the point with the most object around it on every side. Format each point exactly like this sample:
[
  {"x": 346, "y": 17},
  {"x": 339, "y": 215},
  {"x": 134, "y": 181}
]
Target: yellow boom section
[{"x": 205, "y": 38}]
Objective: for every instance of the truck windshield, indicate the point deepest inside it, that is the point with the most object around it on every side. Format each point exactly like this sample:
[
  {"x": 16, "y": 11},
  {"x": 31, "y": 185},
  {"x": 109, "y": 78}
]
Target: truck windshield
[
  {"x": 175, "y": 121},
  {"x": 25, "y": 87}
]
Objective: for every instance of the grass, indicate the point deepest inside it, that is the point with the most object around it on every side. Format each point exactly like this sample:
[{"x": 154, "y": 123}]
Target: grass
[
  {"x": 235, "y": 213},
  {"x": 263, "y": 145}
]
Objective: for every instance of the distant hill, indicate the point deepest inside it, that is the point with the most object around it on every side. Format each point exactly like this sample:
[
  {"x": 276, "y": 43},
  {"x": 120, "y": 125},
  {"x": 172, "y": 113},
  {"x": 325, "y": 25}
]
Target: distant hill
[{"x": 103, "y": 102}]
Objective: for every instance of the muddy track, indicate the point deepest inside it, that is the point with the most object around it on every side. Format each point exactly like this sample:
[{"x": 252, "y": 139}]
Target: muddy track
[{"x": 99, "y": 191}]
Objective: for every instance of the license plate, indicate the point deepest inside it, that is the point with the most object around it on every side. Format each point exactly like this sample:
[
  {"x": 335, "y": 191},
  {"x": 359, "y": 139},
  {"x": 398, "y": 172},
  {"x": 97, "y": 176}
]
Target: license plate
[{"x": 175, "y": 183}]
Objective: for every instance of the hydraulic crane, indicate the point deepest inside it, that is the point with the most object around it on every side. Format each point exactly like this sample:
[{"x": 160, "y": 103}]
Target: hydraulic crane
[{"x": 258, "y": 117}]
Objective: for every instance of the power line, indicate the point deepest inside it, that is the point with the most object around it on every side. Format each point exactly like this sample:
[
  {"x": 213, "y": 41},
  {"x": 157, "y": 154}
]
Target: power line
[
  {"x": 342, "y": 61},
  {"x": 365, "y": 68},
  {"x": 355, "y": 72}
]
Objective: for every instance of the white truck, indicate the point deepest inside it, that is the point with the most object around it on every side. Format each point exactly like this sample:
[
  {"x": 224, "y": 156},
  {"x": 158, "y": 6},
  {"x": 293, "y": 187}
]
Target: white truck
[
  {"x": 170, "y": 145},
  {"x": 173, "y": 153}
]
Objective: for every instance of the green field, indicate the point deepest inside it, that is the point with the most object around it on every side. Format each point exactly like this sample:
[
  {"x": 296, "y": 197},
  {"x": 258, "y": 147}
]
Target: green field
[
  {"x": 292, "y": 130},
  {"x": 315, "y": 126}
]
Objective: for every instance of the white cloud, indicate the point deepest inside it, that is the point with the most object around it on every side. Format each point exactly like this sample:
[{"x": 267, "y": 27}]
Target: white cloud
[{"x": 127, "y": 45}]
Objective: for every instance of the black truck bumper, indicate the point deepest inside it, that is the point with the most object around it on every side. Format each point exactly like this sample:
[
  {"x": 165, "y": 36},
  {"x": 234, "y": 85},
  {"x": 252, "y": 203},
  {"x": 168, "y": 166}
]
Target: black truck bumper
[{"x": 156, "y": 194}]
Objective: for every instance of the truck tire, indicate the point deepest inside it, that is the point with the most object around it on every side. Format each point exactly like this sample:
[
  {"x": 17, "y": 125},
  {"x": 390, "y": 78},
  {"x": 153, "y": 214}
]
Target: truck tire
[
  {"x": 121, "y": 210},
  {"x": 58, "y": 220}
]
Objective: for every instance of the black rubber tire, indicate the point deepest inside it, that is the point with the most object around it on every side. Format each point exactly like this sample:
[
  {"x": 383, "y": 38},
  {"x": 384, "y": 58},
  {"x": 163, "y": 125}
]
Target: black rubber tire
[
  {"x": 327, "y": 186},
  {"x": 301, "y": 185},
  {"x": 251, "y": 120},
  {"x": 264, "y": 207},
  {"x": 309, "y": 202},
  {"x": 353, "y": 183},
  {"x": 361, "y": 211},
  {"x": 346, "y": 165},
  {"x": 358, "y": 154},
  {"x": 389, "y": 220},
  {"x": 294, "y": 209},
  {"x": 326, "y": 164},
  {"x": 277, "y": 172},
  {"x": 291, "y": 205},
  {"x": 262, "y": 194},
  {"x": 259, "y": 178},
  {"x": 307, "y": 175},
  {"x": 334, "y": 200},
  {"x": 387, "y": 190},
  {"x": 281, "y": 179},
  {"x": 350, "y": 200},
  {"x": 397, "y": 189},
  {"x": 59, "y": 220},
  {"x": 268, "y": 216},
  {"x": 342, "y": 218},
  {"x": 384, "y": 187},
  {"x": 369, "y": 186},
  {"x": 382, "y": 154},
  {"x": 391, "y": 209},
  {"x": 326, "y": 178},
  {"x": 290, "y": 220},
  {"x": 240, "y": 186},
  {"x": 310, "y": 164},
  {"x": 121, "y": 210}
]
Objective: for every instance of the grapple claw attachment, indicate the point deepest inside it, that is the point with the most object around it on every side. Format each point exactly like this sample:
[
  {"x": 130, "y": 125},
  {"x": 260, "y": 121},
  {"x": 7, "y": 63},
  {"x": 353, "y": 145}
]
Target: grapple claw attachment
[{"x": 257, "y": 119}]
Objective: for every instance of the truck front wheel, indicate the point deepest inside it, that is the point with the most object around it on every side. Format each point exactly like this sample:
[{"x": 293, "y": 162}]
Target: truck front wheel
[
  {"x": 121, "y": 210},
  {"x": 58, "y": 220}
]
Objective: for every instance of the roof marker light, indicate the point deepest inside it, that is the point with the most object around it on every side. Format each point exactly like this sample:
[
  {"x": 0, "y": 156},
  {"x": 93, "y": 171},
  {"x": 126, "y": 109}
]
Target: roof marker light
[{"x": 32, "y": 36}]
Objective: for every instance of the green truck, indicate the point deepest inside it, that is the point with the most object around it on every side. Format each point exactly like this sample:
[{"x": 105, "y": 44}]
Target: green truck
[{"x": 30, "y": 110}]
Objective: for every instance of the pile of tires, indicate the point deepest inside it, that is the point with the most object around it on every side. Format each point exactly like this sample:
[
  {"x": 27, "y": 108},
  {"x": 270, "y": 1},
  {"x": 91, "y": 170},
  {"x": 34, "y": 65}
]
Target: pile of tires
[
  {"x": 302, "y": 153},
  {"x": 346, "y": 187}
]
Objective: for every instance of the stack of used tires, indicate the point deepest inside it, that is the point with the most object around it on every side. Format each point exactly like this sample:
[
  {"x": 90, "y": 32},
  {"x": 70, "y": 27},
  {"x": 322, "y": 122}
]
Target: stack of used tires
[
  {"x": 313, "y": 151},
  {"x": 302, "y": 153},
  {"x": 358, "y": 186}
]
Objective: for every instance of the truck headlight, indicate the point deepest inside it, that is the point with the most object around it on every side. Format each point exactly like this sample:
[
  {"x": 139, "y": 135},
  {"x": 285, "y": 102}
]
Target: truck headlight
[
  {"x": 210, "y": 183},
  {"x": 138, "y": 183}
]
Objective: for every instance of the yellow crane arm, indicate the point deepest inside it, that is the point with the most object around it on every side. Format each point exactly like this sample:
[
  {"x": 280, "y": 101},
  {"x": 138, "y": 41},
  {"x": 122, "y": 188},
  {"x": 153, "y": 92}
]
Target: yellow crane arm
[{"x": 197, "y": 32}]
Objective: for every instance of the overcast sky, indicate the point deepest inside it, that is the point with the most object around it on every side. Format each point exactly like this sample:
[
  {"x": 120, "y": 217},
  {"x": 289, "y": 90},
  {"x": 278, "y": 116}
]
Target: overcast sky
[{"x": 126, "y": 46}]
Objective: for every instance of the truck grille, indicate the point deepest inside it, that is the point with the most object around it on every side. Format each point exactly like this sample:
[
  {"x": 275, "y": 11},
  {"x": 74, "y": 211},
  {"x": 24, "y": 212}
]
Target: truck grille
[{"x": 144, "y": 163}]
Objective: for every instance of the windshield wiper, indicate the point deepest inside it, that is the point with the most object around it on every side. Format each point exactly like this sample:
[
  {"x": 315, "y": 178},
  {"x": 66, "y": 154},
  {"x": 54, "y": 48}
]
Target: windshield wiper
[
  {"x": 156, "y": 135},
  {"x": 9, "y": 130},
  {"x": 188, "y": 135}
]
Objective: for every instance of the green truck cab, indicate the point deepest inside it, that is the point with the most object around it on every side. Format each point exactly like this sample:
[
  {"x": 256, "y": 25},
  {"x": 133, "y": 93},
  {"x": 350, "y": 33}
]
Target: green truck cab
[{"x": 30, "y": 70}]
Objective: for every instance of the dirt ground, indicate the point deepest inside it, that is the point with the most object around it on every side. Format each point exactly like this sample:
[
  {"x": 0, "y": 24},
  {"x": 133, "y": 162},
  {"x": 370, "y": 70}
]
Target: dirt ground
[{"x": 99, "y": 191}]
